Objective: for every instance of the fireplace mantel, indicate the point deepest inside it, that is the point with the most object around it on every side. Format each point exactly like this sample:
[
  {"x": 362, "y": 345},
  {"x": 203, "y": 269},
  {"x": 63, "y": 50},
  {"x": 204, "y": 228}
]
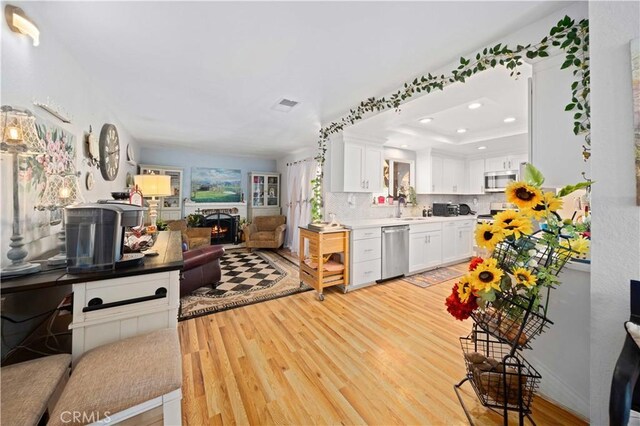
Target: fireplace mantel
[{"x": 190, "y": 207}]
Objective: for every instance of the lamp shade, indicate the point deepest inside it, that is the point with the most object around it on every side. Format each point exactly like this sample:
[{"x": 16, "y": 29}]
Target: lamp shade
[
  {"x": 61, "y": 190},
  {"x": 18, "y": 131},
  {"x": 154, "y": 185}
]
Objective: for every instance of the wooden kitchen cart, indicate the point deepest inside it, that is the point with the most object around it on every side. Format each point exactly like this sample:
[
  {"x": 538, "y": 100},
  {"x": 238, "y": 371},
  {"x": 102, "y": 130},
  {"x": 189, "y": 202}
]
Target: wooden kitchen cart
[{"x": 322, "y": 244}]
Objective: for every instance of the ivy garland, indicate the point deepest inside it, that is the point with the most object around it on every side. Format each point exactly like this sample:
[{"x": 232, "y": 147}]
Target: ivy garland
[{"x": 569, "y": 36}]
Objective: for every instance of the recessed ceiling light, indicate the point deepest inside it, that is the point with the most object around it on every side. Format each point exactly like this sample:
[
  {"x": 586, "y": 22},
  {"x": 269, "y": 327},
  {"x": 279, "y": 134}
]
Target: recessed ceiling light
[
  {"x": 404, "y": 145},
  {"x": 509, "y": 119},
  {"x": 474, "y": 105},
  {"x": 461, "y": 130},
  {"x": 482, "y": 147},
  {"x": 426, "y": 120}
]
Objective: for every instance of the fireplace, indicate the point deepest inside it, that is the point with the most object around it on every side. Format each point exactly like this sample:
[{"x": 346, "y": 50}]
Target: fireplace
[{"x": 224, "y": 228}]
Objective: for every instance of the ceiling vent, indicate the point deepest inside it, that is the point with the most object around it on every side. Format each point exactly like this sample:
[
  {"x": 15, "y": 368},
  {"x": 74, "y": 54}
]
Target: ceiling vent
[{"x": 285, "y": 105}]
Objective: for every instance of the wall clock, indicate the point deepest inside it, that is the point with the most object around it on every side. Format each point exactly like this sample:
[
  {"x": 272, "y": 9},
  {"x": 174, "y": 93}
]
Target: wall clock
[
  {"x": 90, "y": 181},
  {"x": 109, "y": 152}
]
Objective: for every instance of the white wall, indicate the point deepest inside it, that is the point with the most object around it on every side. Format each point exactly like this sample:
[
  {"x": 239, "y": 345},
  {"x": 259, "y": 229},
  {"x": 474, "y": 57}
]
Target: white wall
[
  {"x": 42, "y": 72},
  {"x": 616, "y": 218},
  {"x": 47, "y": 71},
  {"x": 186, "y": 158}
]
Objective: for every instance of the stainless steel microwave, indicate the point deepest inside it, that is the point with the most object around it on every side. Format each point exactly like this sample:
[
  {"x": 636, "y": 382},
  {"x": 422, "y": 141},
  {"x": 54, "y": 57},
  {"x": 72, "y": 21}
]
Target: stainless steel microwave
[{"x": 498, "y": 181}]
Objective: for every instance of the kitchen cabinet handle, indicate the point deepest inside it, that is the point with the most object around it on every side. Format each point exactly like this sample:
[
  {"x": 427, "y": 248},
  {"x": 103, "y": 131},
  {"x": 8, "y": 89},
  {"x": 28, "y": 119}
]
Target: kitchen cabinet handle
[
  {"x": 368, "y": 250},
  {"x": 97, "y": 304},
  {"x": 368, "y": 272},
  {"x": 367, "y": 184}
]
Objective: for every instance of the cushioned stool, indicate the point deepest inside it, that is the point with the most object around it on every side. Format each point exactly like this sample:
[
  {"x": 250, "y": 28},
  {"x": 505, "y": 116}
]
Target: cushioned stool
[
  {"x": 120, "y": 380},
  {"x": 28, "y": 387}
]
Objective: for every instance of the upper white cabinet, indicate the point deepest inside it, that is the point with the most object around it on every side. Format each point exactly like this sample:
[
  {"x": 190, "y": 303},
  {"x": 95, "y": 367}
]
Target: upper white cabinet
[
  {"x": 438, "y": 174},
  {"x": 505, "y": 162},
  {"x": 354, "y": 166},
  {"x": 475, "y": 177}
]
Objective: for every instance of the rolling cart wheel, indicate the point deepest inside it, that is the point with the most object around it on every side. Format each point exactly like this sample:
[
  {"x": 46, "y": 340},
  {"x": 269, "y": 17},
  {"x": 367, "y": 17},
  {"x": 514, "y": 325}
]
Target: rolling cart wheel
[
  {"x": 321, "y": 297},
  {"x": 301, "y": 284}
]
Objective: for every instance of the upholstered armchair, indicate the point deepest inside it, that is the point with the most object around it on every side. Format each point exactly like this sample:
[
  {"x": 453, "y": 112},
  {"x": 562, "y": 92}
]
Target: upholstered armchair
[
  {"x": 265, "y": 232},
  {"x": 193, "y": 237}
]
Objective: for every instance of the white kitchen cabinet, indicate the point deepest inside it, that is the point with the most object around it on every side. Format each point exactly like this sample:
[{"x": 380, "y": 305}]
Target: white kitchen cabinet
[
  {"x": 425, "y": 246},
  {"x": 464, "y": 231},
  {"x": 437, "y": 167},
  {"x": 449, "y": 253},
  {"x": 355, "y": 166},
  {"x": 433, "y": 249},
  {"x": 475, "y": 178},
  {"x": 505, "y": 162},
  {"x": 366, "y": 256},
  {"x": 354, "y": 159},
  {"x": 373, "y": 167},
  {"x": 453, "y": 176}
]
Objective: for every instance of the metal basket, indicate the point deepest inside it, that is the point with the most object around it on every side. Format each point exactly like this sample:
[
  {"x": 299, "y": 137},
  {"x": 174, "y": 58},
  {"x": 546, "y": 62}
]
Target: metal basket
[
  {"x": 512, "y": 320},
  {"x": 530, "y": 248},
  {"x": 506, "y": 380}
]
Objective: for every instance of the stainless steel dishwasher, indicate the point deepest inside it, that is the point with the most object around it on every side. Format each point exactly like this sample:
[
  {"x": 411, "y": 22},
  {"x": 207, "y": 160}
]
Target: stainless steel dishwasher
[{"x": 395, "y": 251}]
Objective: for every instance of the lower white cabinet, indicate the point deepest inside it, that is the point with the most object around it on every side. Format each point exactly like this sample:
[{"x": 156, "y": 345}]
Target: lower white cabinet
[
  {"x": 464, "y": 238},
  {"x": 366, "y": 256},
  {"x": 449, "y": 242},
  {"x": 425, "y": 246}
]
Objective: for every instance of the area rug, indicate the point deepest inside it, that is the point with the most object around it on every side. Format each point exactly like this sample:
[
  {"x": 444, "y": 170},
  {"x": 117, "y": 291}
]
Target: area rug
[
  {"x": 247, "y": 278},
  {"x": 436, "y": 276}
]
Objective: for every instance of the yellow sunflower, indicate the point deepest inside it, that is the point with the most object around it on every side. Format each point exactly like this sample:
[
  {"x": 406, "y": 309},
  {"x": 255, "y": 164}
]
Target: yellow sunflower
[
  {"x": 486, "y": 276},
  {"x": 488, "y": 235},
  {"x": 465, "y": 289},
  {"x": 513, "y": 223},
  {"x": 581, "y": 245},
  {"x": 550, "y": 203},
  {"x": 523, "y": 195},
  {"x": 525, "y": 277}
]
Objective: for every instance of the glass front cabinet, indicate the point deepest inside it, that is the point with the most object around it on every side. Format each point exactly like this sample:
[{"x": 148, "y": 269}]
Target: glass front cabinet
[
  {"x": 264, "y": 194},
  {"x": 170, "y": 207}
]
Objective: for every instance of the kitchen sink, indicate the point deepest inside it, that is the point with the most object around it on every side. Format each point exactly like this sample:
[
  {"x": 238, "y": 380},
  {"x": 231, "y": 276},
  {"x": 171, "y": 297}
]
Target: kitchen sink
[{"x": 411, "y": 218}]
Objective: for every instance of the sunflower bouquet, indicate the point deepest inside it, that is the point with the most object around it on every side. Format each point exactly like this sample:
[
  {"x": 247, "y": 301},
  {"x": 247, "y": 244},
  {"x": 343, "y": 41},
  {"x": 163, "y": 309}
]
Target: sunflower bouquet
[{"x": 504, "y": 287}]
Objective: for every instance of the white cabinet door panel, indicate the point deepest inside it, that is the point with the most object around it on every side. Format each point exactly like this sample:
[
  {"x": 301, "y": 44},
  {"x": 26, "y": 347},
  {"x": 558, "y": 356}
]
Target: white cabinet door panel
[
  {"x": 353, "y": 172},
  {"x": 367, "y": 249},
  {"x": 433, "y": 249},
  {"x": 366, "y": 272},
  {"x": 374, "y": 158},
  {"x": 418, "y": 251},
  {"x": 448, "y": 242}
]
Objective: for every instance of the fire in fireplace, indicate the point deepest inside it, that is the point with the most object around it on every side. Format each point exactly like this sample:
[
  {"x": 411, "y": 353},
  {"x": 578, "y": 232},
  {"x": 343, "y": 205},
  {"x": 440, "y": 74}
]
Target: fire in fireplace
[{"x": 224, "y": 228}]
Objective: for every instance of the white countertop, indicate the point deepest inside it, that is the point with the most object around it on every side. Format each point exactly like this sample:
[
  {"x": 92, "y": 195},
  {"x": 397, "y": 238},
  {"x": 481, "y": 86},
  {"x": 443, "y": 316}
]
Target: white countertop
[{"x": 392, "y": 221}]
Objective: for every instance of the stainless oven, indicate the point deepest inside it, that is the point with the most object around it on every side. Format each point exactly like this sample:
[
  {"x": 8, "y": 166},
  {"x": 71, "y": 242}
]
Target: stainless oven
[{"x": 498, "y": 181}]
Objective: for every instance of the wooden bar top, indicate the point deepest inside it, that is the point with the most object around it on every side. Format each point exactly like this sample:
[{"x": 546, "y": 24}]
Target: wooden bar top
[{"x": 169, "y": 248}]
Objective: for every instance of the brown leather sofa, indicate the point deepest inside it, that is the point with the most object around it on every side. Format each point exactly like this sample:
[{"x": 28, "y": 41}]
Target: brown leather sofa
[
  {"x": 265, "y": 232},
  {"x": 201, "y": 268},
  {"x": 194, "y": 237}
]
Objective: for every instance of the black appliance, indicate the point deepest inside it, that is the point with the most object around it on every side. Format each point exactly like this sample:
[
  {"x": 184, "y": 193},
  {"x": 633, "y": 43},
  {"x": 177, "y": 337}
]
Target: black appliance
[
  {"x": 465, "y": 210},
  {"x": 446, "y": 209}
]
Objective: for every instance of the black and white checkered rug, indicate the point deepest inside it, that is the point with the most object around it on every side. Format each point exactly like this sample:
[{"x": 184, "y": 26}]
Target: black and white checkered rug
[
  {"x": 247, "y": 278},
  {"x": 244, "y": 271}
]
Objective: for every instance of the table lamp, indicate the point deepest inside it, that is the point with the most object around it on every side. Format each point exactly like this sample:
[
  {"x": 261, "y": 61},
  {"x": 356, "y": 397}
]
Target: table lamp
[
  {"x": 153, "y": 186},
  {"x": 61, "y": 190},
  {"x": 19, "y": 138}
]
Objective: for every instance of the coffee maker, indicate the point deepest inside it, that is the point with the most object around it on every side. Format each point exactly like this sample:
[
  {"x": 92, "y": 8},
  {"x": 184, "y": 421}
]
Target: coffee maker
[{"x": 95, "y": 234}]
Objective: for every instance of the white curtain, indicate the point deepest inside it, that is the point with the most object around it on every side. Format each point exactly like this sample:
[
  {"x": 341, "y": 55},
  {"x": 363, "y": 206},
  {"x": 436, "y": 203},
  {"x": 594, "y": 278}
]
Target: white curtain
[{"x": 299, "y": 177}]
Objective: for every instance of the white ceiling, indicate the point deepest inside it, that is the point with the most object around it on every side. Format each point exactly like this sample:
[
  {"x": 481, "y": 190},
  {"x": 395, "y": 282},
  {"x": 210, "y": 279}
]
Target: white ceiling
[
  {"x": 206, "y": 74},
  {"x": 499, "y": 94}
]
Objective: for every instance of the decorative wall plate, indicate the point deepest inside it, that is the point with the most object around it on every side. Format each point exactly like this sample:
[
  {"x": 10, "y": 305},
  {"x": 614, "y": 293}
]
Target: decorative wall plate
[
  {"x": 93, "y": 148},
  {"x": 130, "y": 181},
  {"x": 130, "y": 155},
  {"x": 90, "y": 181}
]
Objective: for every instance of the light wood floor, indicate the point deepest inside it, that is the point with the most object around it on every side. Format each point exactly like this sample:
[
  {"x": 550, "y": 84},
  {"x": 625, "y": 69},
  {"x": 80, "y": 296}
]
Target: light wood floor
[{"x": 388, "y": 354}]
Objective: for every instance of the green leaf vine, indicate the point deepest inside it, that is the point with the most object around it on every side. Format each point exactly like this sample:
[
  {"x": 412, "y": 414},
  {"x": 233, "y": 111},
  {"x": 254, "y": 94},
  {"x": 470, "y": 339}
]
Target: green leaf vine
[{"x": 571, "y": 37}]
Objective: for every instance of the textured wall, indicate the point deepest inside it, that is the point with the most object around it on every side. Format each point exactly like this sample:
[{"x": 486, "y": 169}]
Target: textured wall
[{"x": 616, "y": 218}]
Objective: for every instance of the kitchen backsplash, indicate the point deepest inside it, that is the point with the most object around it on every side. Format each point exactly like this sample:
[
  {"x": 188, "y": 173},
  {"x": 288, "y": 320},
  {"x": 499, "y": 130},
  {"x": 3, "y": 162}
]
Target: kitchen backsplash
[{"x": 350, "y": 206}]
